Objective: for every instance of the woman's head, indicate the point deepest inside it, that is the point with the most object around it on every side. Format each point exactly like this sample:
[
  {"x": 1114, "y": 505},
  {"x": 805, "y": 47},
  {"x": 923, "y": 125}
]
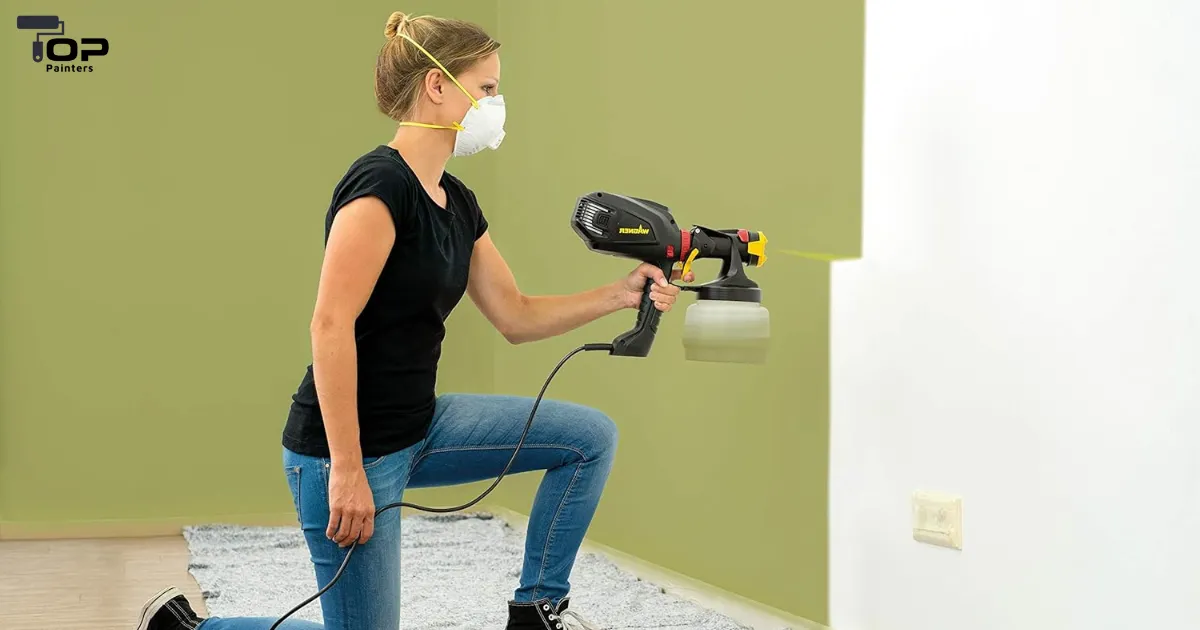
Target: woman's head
[{"x": 410, "y": 86}]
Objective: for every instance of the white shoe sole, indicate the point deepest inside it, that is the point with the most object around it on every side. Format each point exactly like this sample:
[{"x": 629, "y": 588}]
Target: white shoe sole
[{"x": 157, "y": 602}]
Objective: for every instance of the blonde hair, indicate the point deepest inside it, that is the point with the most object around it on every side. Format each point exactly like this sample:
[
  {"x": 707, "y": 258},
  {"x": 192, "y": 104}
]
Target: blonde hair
[{"x": 401, "y": 67}]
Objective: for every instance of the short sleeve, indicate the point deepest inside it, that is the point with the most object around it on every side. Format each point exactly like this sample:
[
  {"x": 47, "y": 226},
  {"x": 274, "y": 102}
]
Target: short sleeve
[
  {"x": 481, "y": 224},
  {"x": 378, "y": 178}
]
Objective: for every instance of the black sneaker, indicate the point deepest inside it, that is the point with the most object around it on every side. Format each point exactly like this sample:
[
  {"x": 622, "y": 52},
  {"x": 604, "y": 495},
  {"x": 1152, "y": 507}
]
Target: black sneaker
[
  {"x": 169, "y": 610},
  {"x": 540, "y": 615}
]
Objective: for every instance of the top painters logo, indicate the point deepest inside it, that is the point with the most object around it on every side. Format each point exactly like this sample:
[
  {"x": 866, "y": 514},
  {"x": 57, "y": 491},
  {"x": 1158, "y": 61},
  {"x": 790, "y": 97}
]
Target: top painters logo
[{"x": 61, "y": 52}]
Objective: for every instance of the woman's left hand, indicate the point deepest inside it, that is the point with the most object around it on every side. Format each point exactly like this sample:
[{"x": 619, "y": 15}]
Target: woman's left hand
[{"x": 663, "y": 293}]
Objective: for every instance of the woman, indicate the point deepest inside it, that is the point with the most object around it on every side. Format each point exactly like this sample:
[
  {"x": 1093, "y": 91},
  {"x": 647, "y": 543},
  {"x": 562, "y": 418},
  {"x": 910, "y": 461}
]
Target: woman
[{"x": 404, "y": 241}]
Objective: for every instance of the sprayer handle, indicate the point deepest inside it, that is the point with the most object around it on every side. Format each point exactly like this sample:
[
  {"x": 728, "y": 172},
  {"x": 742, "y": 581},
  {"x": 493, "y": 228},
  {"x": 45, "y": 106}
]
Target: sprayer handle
[{"x": 636, "y": 341}]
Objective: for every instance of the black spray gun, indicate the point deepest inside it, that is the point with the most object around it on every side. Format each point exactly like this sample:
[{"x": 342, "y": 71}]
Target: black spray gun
[{"x": 727, "y": 323}]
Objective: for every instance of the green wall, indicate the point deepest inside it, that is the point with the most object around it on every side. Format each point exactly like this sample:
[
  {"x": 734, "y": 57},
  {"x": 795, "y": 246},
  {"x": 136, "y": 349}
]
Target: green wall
[
  {"x": 743, "y": 115},
  {"x": 161, "y": 225},
  {"x": 160, "y": 238}
]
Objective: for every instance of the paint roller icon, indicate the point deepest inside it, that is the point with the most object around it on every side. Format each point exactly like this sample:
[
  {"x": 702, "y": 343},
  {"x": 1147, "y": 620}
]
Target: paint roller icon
[{"x": 49, "y": 24}]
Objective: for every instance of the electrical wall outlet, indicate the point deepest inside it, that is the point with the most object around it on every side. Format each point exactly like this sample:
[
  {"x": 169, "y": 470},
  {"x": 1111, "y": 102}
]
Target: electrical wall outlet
[{"x": 937, "y": 519}]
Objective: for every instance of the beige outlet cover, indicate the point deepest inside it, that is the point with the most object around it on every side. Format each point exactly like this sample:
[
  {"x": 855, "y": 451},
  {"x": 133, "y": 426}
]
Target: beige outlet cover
[{"x": 937, "y": 519}]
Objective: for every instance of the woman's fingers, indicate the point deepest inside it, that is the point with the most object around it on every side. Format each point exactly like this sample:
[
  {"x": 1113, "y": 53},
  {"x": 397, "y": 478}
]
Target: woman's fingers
[
  {"x": 357, "y": 524},
  {"x": 355, "y": 531},
  {"x": 335, "y": 522},
  {"x": 353, "y": 522},
  {"x": 351, "y": 507},
  {"x": 368, "y": 527},
  {"x": 344, "y": 532},
  {"x": 338, "y": 524},
  {"x": 677, "y": 274},
  {"x": 664, "y": 297}
]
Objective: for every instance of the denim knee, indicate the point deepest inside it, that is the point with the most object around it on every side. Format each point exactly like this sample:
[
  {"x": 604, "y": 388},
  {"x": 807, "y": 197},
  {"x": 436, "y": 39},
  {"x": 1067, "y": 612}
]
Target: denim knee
[{"x": 602, "y": 434}]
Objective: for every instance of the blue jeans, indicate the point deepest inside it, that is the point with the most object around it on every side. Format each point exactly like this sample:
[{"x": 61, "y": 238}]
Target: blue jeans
[{"x": 471, "y": 439}]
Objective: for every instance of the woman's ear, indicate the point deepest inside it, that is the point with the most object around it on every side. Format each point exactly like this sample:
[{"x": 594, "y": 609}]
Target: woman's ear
[{"x": 434, "y": 86}]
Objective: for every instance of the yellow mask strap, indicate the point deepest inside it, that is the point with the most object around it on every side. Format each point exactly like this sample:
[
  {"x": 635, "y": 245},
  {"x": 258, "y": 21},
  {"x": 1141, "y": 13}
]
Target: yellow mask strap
[
  {"x": 474, "y": 103},
  {"x": 455, "y": 127}
]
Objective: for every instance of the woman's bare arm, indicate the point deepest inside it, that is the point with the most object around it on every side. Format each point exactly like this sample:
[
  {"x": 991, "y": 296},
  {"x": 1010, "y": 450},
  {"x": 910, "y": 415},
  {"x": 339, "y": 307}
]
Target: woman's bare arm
[
  {"x": 358, "y": 245},
  {"x": 523, "y": 318},
  {"x": 359, "y": 242}
]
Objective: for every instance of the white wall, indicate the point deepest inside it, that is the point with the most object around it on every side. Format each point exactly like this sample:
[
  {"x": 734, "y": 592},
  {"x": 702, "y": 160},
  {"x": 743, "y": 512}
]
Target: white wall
[{"x": 1024, "y": 328}]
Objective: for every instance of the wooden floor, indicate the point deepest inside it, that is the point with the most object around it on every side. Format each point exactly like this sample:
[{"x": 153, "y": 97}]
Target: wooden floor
[
  {"x": 88, "y": 584},
  {"x": 101, "y": 584}
]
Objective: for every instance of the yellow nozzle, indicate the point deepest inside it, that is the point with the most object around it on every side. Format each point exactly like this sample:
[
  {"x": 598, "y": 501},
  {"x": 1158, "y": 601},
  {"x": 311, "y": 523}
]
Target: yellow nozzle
[{"x": 758, "y": 248}]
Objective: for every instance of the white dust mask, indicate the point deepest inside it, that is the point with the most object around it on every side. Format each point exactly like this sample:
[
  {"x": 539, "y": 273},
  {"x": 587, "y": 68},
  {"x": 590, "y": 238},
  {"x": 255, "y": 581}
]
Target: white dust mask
[{"x": 482, "y": 127}]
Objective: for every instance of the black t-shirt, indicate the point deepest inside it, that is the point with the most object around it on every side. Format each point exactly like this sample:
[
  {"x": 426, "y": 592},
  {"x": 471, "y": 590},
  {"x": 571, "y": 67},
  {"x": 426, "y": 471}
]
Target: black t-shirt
[{"x": 400, "y": 330}]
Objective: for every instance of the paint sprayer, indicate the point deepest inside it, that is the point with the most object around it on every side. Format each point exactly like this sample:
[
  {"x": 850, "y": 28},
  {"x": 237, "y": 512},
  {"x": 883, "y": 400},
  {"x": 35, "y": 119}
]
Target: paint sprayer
[{"x": 727, "y": 323}]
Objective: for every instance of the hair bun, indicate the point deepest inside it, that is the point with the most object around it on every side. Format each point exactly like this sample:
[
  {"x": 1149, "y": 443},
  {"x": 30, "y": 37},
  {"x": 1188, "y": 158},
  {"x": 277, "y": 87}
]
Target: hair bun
[{"x": 394, "y": 24}]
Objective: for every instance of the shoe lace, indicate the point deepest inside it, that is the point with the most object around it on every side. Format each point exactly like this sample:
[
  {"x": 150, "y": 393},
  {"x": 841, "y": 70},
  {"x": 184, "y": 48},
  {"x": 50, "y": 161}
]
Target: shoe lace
[{"x": 572, "y": 620}]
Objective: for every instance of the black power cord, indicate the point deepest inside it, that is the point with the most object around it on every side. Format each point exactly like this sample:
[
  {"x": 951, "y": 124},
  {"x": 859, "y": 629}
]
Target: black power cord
[{"x": 607, "y": 347}]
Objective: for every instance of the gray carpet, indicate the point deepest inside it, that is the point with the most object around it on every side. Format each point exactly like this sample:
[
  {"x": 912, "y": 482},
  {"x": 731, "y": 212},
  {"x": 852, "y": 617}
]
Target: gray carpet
[{"x": 458, "y": 572}]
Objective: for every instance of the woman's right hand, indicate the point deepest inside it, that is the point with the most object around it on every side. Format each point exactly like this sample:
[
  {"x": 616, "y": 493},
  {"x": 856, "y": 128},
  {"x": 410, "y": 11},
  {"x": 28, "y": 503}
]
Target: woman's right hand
[{"x": 351, "y": 505}]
